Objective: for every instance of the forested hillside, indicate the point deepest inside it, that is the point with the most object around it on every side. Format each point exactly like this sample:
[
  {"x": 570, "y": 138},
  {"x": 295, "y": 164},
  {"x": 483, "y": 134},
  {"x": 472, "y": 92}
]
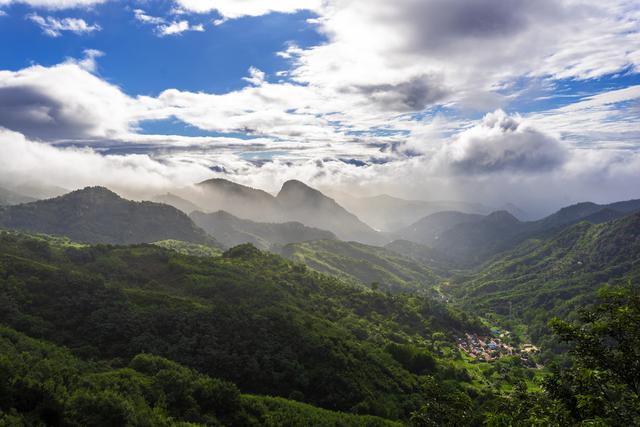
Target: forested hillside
[
  {"x": 543, "y": 278},
  {"x": 268, "y": 325},
  {"x": 370, "y": 266},
  {"x": 98, "y": 215}
]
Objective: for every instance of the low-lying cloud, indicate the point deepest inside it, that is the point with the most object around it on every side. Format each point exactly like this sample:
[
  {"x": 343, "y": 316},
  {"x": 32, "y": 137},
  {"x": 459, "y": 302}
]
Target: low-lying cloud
[{"x": 503, "y": 143}]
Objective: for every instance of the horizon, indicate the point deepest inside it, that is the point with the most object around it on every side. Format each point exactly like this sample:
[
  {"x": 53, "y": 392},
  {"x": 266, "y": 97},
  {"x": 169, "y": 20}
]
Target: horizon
[{"x": 530, "y": 104}]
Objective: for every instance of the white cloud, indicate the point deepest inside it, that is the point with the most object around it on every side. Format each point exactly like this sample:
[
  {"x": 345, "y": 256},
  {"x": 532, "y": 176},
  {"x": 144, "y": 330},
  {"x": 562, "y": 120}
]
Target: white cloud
[
  {"x": 502, "y": 143},
  {"x": 54, "y": 27},
  {"x": 55, "y": 4},
  {"x": 237, "y": 9},
  {"x": 64, "y": 102},
  {"x": 178, "y": 27},
  {"x": 143, "y": 17},
  {"x": 256, "y": 77},
  {"x": 164, "y": 27},
  {"x": 25, "y": 161}
]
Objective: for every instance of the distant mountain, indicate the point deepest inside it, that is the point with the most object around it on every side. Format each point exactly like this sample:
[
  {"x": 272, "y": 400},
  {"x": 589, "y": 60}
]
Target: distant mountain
[
  {"x": 515, "y": 211},
  {"x": 296, "y": 202},
  {"x": 542, "y": 278},
  {"x": 479, "y": 240},
  {"x": 232, "y": 231},
  {"x": 39, "y": 191},
  {"x": 428, "y": 230},
  {"x": 8, "y": 198},
  {"x": 245, "y": 202},
  {"x": 475, "y": 239},
  {"x": 387, "y": 213},
  {"x": 299, "y": 202},
  {"x": 177, "y": 202},
  {"x": 98, "y": 215},
  {"x": 363, "y": 264},
  {"x": 440, "y": 263}
]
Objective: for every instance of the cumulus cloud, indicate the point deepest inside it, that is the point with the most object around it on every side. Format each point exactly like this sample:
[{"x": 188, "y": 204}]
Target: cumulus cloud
[
  {"x": 474, "y": 49},
  {"x": 63, "y": 102},
  {"x": 54, "y": 27},
  {"x": 502, "y": 143}
]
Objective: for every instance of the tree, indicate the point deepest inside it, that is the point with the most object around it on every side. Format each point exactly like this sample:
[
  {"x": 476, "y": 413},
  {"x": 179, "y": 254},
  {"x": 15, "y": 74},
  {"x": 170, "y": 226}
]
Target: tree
[{"x": 601, "y": 386}]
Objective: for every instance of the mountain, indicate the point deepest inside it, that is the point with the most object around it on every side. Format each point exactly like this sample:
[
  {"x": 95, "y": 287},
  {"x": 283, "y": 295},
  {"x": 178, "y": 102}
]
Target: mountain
[
  {"x": 98, "y": 215},
  {"x": 296, "y": 202},
  {"x": 299, "y": 202},
  {"x": 363, "y": 264},
  {"x": 388, "y": 213},
  {"x": 242, "y": 201},
  {"x": 254, "y": 319},
  {"x": 475, "y": 239},
  {"x": 542, "y": 278},
  {"x": 586, "y": 211},
  {"x": 177, "y": 202},
  {"x": 232, "y": 231},
  {"x": 440, "y": 263},
  {"x": 8, "y": 198},
  {"x": 427, "y": 231}
]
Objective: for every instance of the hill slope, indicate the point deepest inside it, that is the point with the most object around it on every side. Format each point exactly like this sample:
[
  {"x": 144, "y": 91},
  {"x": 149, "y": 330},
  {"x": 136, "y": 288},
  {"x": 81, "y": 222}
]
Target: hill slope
[
  {"x": 8, "y": 198},
  {"x": 177, "y": 202},
  {"x": 242, "y": 201},
  {"x": 264, "y": 323},
  {"x": 302, "y": 203},
  {"x": 543, "y": 278},
  {"x": 363, "y": 264},
  {"x": 97, "y": 215},
  {"x": 475, "y": 239},
  {"x": 232, "y": 231}
]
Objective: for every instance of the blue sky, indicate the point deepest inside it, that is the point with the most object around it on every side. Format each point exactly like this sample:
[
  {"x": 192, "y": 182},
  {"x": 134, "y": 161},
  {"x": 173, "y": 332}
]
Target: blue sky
[{"x": 267, "y": 90}]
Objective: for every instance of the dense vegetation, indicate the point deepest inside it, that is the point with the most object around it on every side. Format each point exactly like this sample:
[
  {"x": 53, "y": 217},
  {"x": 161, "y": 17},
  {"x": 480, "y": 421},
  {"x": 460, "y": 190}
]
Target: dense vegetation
[
  {"x": 43, "y": 383},
  {"x": 177, "y": 332},
  {"x": 545, "y": 278},
  {"x": 369, "y": 265},
  {"x": 97, "y": 215},
  {"x": 602, "y": 385},
  {"x": 252, "y": 318}
]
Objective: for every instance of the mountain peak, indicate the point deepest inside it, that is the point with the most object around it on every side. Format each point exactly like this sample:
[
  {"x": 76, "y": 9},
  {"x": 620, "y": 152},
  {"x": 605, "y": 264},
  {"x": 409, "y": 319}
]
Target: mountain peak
[
  {"x": 502, "y": 216},
  {"x": 93, "y": 193},
  {"x": 294, "y": 190},
  {"x": 294, "y": 184}
]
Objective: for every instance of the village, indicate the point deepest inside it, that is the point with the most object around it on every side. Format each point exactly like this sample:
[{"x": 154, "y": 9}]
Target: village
[{"x": 488, "y": 348}]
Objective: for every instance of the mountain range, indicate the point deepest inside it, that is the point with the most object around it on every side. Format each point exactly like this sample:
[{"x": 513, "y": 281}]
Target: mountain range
[
  {"x": 389, "y": 214},
  {"x": 295, "y": 202},
  {"x": 477, "y": 238}
]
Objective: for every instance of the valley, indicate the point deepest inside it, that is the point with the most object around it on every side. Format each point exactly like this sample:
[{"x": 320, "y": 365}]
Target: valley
[{"x": 334, "y": 329}]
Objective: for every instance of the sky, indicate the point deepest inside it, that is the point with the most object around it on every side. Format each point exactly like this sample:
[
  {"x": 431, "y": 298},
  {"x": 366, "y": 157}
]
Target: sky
[{"x": 535, "y": 103}]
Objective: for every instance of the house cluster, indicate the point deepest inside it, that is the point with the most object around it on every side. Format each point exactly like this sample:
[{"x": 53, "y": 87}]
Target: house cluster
[{"x": 487, "y": 348}]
